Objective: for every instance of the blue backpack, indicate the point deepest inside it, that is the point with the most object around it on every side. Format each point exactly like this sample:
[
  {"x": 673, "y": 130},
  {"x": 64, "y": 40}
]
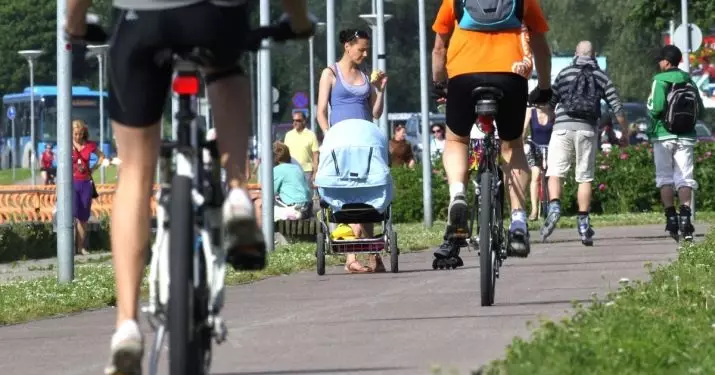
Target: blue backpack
[{"x": 489, "y": 15}]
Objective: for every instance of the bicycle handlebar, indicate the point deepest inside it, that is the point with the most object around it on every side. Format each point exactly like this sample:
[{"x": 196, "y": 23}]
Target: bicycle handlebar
[{"x": 279, "y": 32}]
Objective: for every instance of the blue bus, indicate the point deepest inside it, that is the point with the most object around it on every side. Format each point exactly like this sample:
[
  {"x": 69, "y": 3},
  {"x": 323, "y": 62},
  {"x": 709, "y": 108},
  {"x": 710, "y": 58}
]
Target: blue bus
[{"x": 85, "y": 106}]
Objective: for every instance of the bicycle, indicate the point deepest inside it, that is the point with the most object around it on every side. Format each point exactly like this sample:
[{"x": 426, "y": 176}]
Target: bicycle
[
  {"x": 488, "y": 204},
  {"x": 542, "y": 152},
  {"x": 189, "y": 217}
]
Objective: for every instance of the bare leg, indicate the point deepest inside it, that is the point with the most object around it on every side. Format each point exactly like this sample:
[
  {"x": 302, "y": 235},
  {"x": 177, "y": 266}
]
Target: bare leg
[
  {"x": 535, "y": 178},
  {"x": 685, "y": 195},
  {"x": 131, "y": 213},
  {"x": 554, "y": 188},
  {"x": 231, "y": 102},
  {"x": 455, "y": 158},
  {"x": 584, "y": 196},
  {"x": 516, "y": 171},
  {"x": 81, "y": 237}
]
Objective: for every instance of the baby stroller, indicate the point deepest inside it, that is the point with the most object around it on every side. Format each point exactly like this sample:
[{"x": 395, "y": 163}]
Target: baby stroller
[{"x": 355, "y": 186}]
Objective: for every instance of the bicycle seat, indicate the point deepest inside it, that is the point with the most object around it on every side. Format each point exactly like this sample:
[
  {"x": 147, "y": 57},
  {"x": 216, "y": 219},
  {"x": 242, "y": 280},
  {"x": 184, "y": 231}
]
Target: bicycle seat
[
  {"x": 487, "y": 93},
  {"x": 195, "y": 56},
  {"x": 486, "y": 98}
]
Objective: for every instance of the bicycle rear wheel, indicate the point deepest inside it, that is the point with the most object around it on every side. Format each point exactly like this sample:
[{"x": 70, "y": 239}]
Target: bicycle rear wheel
[
  {"x": 487, "y": 257},
  {"x": 181, "y": 236}
]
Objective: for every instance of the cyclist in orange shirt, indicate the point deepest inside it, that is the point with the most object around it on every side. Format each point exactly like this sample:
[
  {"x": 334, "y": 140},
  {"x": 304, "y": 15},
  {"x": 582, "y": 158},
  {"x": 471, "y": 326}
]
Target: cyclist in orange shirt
[{"x": 489, "y": 42}]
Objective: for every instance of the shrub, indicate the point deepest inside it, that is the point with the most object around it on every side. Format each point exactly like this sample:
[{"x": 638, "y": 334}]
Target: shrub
[
  {"x": 625, "y": 182},
  {"x": 21, "y": 241}
]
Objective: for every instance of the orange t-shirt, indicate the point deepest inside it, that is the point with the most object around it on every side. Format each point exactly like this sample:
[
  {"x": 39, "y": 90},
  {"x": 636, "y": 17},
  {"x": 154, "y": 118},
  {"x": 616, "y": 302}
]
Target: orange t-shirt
[{"x": 489, "y": 52}]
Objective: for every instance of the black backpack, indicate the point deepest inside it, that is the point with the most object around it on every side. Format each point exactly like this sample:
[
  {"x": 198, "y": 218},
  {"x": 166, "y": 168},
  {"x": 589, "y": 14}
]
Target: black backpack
[
  {"x": 681, "y": 111},
  {"x": 583, "y": 99}
]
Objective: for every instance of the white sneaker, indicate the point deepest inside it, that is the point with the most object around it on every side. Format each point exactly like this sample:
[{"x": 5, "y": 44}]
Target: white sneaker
[
  {"x": 127, "y": 350},
  {"x": 240, "y": 232}
]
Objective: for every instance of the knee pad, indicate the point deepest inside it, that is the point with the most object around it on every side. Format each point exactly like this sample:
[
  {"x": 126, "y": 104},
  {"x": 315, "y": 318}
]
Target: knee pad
[{"x": 218, "y": 75}]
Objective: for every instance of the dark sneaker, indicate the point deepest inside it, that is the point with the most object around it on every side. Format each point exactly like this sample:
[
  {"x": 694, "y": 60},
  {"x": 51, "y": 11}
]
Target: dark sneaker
[
  {"x": 585, "y": 230},
  {"x": 672, "y": 226},
  {"x": 457, "y": 217}
]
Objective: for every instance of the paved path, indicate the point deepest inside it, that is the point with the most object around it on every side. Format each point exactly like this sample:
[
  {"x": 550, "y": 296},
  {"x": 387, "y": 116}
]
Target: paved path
[{"x": 370, "y": 324}]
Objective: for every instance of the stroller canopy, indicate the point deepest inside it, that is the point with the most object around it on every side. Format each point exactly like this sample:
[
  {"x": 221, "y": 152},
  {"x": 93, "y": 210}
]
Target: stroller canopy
[{"x": 353, "y": 165}]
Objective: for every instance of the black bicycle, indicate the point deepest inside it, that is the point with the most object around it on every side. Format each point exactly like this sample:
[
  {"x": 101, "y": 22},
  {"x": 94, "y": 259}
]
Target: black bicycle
[
  {"x": 541, "y": 154},
  {"x": 190, "y": 200},
  {"x": 488, "y": 207}
]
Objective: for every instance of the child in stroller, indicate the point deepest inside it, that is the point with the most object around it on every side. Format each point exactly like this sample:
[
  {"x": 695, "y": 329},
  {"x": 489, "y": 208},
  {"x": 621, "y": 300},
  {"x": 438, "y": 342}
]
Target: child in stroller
[{"x": 355, "y": 186}]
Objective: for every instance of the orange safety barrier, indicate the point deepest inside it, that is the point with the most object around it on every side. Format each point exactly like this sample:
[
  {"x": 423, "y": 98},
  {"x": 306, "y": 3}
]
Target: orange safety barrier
[{"x": 23, "y": 203}]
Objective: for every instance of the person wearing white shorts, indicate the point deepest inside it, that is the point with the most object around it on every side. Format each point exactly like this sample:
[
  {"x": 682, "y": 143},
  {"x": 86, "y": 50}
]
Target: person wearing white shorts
[
  {"x": 673, "y": 151},
  {"x": 575, "y": 136}
]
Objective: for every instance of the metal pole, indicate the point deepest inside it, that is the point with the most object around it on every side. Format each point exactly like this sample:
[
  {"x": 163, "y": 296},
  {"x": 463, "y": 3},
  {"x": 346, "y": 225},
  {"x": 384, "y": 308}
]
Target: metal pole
[
  {"x": 252, "y": 73},
  {"x": 373, "y": 32},
  {"x": 684, "y": 15},
  {"x": 424, "y": 107},
  {"x": 65, "y": 227},
  {"x": 311, "y": 53},
  {"x": 100, "y": 59},
  {"x": 14, "y": 149},
  {"x": 32, "y": 122},
  {"x": 381, "y": 63},
  {"x": 671, "y": 31},
  {"x": 330, "y": 30},
  {"x": 266, "y": 111}
]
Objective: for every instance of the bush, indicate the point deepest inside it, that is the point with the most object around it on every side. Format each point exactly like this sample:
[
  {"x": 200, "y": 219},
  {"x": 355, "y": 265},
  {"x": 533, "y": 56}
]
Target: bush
[
  {"x": 21, "y": 241},
  {"x": 624, "y": 183}
]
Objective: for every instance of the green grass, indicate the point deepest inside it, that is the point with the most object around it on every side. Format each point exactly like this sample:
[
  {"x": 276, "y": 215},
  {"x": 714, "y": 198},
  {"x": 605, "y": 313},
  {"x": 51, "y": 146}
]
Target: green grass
[
  {"x": 93, "y": 287},
  {"x": 24, "y": 174},
  {"x": 665, "y": 326},
  {"x": 20, "y": 174}
]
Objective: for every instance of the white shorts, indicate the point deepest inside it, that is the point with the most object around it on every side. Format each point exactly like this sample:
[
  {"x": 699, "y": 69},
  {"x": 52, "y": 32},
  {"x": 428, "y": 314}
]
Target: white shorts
[
  {"x": 563, "y": 145},
  {"x": 674, "y": 163}
]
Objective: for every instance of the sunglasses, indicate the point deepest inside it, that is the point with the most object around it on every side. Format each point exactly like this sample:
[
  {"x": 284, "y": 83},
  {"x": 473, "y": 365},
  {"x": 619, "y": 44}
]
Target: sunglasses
[
  {"x": 298, "y": 120},
  {"x": 434, "y": 131},
  {"x": 359, "y": 34}
]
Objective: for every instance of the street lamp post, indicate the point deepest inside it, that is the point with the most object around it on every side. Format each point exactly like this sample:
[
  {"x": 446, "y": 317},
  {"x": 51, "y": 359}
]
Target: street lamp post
[
  {"x": 31, "y": 56},
  {"x": 377, "y": 25},
  {"x": 100, "y": 51},
  {"x": 319, "y": 27}
]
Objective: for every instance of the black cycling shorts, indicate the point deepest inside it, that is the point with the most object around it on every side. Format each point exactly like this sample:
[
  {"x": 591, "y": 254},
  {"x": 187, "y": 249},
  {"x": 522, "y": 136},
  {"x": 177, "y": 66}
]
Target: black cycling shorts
[
  {"x": 138, "y": 85},
  {"x": 461, "y": 114}
]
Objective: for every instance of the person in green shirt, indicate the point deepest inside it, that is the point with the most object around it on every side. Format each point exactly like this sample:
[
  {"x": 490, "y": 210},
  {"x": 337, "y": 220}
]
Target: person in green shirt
[
  {"x": 293, "y": 196},
  {"x": 673, "y": 153}
]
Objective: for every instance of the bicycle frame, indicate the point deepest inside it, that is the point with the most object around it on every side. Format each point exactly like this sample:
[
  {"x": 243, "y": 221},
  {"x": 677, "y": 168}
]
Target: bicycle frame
[{"x": 207, "y": 196}]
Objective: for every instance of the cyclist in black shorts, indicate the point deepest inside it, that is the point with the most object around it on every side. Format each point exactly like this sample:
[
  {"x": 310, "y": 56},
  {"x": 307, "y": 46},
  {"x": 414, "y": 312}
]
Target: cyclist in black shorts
[
  {"x": 138, "y": 88},
  {"x": 489, "y": 49}
]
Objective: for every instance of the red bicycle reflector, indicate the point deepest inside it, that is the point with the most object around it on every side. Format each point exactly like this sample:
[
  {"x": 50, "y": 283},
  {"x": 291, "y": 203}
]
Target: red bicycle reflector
[{"x": 187, "y": 85}]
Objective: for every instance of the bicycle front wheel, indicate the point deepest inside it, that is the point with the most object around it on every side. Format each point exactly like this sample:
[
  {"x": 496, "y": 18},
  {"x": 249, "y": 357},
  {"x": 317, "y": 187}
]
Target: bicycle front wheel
[
  {"x": 181, "y": 240},
  {"x": 486, "y": 252}
]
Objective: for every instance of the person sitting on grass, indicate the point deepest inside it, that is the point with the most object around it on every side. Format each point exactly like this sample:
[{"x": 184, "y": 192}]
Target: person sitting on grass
[{"x": 293, "y": 195}]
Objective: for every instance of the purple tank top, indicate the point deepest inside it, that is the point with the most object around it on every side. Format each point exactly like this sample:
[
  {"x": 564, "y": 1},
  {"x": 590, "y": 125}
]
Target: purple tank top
[
  {"x": 540, "y": 134},
  {"x": 348, "y": 101}
]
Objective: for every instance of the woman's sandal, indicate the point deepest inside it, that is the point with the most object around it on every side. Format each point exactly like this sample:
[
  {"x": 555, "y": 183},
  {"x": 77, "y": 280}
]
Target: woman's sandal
[{"x": 350, "y": 269}]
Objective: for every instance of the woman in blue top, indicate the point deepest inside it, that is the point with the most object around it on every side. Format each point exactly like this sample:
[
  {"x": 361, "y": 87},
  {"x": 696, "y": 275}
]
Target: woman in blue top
[
  {"x": 351, "y": 94},
  {"x": 540, "y": 123},
  {"x": 293, "y": 197}
]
